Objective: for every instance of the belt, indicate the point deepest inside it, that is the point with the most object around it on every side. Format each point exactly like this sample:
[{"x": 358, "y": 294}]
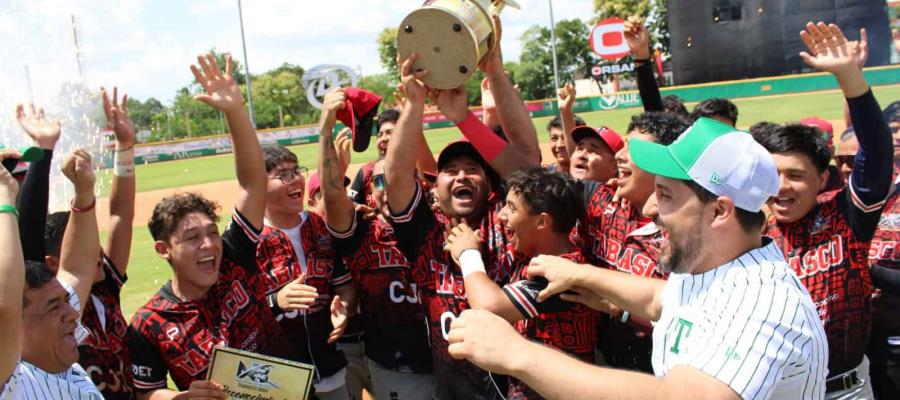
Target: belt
[
  {"x": 351, "y": 338},
  {"x": 842, "y": 382}
]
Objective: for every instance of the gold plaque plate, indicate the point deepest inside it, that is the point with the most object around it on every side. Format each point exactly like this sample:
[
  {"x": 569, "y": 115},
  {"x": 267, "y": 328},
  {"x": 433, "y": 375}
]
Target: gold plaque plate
[{"x": 248, "y": 375}]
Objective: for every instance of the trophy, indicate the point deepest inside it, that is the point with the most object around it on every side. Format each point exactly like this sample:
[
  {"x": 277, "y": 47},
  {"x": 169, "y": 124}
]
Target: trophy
[{"x": 451, "y": 37}]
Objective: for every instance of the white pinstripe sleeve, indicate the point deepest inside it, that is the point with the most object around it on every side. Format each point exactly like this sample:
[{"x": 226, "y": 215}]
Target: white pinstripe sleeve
[{"x": 750, "y": 353}]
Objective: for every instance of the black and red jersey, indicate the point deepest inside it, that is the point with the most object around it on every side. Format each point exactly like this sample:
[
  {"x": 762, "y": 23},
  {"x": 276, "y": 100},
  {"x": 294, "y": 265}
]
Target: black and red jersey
[
  {"x": 104, "y": 353},
  {"x": 279, "y": 265},
  {"x": 615, "y": 235},
  {"x": 171, "y": 336},
  {"x": 396, "y": 335},
  {"x": 419, "y": 232},
  {"x": 828, "y": 249},
  {"x": 570, "y": 327},
  {"x": 885, "y": 252}
]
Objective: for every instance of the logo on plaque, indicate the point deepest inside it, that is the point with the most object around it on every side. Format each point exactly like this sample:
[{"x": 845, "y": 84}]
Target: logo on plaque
[{"x": 256, "y": 376}]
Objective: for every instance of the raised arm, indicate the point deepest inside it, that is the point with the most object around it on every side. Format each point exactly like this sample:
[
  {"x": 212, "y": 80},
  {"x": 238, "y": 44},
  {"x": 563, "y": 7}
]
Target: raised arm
[
  {"x": 338, "y": 207},
  {"x": 514, "y": 118},
  {"x": 400, "y": 163},
  {"x": 35, "y": 191},
  {"x": 80, "y": 251},
  {"x": 638, "y": 295},
  {"x": 870, "y": 181},
  {"x": 566, "y": 103},
  {"x": 638, "y": 40},
  {"x": 122, "y": 194},
  {"x": 224, "y": 94},
  {"x": 12, "y": 269}
]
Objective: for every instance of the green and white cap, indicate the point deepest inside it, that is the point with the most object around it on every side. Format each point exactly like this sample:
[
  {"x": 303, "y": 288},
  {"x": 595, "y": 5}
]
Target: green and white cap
[{"x": 718, "y": 157}]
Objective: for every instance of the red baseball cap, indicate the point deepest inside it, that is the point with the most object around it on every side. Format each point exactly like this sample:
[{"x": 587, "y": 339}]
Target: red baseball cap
[
  {"x": 607, "y": 135},
  {"x": 359, "y": 115},
  {"x": 462, "y": 147},
  {"x": 820, "y": 123}
]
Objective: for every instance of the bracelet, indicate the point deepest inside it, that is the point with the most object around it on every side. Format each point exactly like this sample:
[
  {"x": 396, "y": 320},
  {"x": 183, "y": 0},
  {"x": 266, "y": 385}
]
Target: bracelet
[
  {"x": 470, "y": 261},
  {"x": 124, "y": 163},
  {"x": 83, "y": 210},
  {"x": 9, "y": 209},
  {"x": 124, "y": 149},
  {"x": 625, "y": 315}
]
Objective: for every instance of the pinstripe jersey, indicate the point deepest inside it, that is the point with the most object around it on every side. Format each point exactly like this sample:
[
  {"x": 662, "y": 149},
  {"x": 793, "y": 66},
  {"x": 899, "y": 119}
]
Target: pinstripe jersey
[{"x": 750, "y": 324}]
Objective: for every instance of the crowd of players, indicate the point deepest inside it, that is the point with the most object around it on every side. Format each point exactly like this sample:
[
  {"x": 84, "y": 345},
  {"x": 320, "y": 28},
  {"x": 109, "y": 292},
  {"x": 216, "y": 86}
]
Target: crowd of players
[{"x": 727, "y": 264}]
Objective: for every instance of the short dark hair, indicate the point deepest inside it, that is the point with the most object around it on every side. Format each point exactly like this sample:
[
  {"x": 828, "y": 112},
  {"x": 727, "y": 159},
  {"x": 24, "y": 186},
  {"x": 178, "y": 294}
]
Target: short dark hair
[
  {"x": 274, "y": 154},
  {"x": 762, "y": 128},
  {"x": 37, "y": 274},
  {"x": 892, "y": 112},
  {"x": 547, "y": 191},
  {"x": 750, "y": 221},
  {"x": 169, "y": 212},
  {"x": 389, "y": 115},
  {"x": 54, "y": 231},
  {"x": 675, "y": 105},
  {"x": 716, "y": 107},
  {"x": 556, "y": 122},
  {"x": 665, "y": 127},
  {"x": 799, "y": 139}
]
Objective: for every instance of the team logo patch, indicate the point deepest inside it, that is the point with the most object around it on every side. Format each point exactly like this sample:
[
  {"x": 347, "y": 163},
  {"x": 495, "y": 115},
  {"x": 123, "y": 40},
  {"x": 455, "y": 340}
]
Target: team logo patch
[
  {"x": 256, "y": 376},
  {"x": 889, "y": 221}
]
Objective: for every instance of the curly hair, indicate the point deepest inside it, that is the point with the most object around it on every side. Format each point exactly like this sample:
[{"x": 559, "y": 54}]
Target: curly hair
[
  {"x": 171, "y": 210},
  {"x": 545, "y": 191},
  {"x": 665, "y": 127},
  {"x": 798, "y": 139},
  {"x": 675, "y": 105},
  {"x": 716, "y": 107},
  {"x": 275, "y": 154}
]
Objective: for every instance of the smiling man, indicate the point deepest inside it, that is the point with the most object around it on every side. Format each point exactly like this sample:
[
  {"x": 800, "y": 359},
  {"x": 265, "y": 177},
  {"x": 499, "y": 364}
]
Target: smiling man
[{"x": 594, "y": 157}]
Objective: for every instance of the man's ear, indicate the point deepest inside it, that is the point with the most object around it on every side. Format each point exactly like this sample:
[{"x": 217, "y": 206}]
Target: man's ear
[
  {"x": 544, "y": 221},
  {"x": 52, "y": 262},
  {"x": 823, "y": 179},
  {"x": 723, "y": 209},
  {"x": 162, "y": 250}
]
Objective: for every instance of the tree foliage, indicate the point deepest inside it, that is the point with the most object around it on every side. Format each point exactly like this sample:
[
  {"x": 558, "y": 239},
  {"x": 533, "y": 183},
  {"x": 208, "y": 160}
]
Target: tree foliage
[{"x": 387, "y": 51}]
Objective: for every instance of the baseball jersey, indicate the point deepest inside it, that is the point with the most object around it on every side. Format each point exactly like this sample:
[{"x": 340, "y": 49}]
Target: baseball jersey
[
  {"x": 396, "y": 336},
  {"x": 419, "y": 232},
  {"x": 748, "y": 323},
  {"x": 617, "y": 236},
  {"x": 829, "y": 249},
  {"x": 885, "y": 252},
  {"x": 28, "y": 382},
  {"x": 177, "y": 337},
  {"x": 104, "y": 352},
  {"x": 562, "y": 325},
  {"x": 278, "y": 264},
  {"x": 360, "y": 190}
]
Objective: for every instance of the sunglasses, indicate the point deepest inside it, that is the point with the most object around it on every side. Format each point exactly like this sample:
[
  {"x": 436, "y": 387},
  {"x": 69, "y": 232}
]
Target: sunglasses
[
  {"x": 844, "y": 160},
  {"x": 378, "y": 181},
  {"x": 288, "y": 176}
]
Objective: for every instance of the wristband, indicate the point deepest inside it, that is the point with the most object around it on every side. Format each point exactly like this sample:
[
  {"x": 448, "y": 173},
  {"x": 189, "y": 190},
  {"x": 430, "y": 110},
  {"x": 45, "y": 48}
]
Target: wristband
[
  {"x": 124, "y": 161},
  {"x": 9, "y": 209},
  {"x": 485, "y": 141},
  {"x": 83, "y": 210},
  {"x": 625, "y": 315},
  {"x": 641, "y": 60},
  {"x": 470, "y": 261}
]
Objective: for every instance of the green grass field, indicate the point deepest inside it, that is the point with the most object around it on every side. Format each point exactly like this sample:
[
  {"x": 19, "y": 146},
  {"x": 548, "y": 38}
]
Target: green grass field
[{"x": 147, "y": 272}]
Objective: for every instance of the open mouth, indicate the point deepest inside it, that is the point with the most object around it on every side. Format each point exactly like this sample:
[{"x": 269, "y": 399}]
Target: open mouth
[
  {"x": 296, "y": 195},
  {"x": 624, "y": 174},
  {"x": 783, "y": 202},
  {"x": 207, "y": 264}
]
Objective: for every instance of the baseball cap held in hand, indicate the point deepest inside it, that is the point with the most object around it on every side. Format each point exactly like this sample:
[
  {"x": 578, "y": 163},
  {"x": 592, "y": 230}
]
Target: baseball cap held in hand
[
  {"x": 721, "y": 159},
  {"x": 359, "y": 115}
]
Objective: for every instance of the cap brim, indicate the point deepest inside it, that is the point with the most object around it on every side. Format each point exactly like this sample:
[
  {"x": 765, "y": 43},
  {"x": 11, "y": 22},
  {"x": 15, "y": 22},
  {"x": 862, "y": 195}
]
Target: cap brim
[
  {"x": 656, "y": 159},
  {"x": 31, "y": 153},
  {"x": 362, "y": 130}
]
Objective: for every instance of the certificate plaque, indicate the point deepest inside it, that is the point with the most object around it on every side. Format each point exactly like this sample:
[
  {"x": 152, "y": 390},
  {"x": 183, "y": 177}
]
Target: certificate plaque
[{"x": 248, "y": 375}]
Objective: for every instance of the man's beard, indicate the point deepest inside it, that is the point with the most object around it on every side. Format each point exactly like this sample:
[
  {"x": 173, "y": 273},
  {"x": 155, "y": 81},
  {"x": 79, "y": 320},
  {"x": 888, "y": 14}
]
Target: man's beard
[{"x": 680, "y": 254}]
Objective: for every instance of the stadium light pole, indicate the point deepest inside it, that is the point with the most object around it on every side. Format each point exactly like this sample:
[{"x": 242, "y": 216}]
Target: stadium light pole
[
  {"x": 553, "y": 46},
  {"x": 246, "y": 66}
]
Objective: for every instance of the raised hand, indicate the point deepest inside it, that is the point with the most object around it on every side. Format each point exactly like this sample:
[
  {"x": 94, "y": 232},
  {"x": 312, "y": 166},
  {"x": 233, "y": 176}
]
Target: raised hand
[
  {"x": 829, "y": 49},
  {"x": 342, "y": 147},
  {"x": 863, "y": 44},
  {"x": 222, "y": 92},
  {"x": 637, "y": 38},
  {"x": 453, "y": 103},
  {"x": 79, "y": 170},
  {"x": 895, "y": 34},
  {"x": 487, "y": 97},
  {"x": 9, "y": 187},
  {"x": 117, "y": 117},
  {"x": 411, "y": 84},
  {"x": 566, "y": 98},
  {"x": 339, "y": 319},
  {"x": 297, "y": 295},
  {"x": 45, "y": 133},
  {"x": 460, "y": 239},
  {"x": 493, "y": 61},
  {"x": 333, "y": 101}
]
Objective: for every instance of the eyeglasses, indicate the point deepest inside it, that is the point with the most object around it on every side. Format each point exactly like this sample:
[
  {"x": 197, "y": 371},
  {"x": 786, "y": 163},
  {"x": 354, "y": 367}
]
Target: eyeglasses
[
  {"x": 378, "y": 181},
  {"x": 288, "y": 175},
  {"x": 844, "y": 160}
]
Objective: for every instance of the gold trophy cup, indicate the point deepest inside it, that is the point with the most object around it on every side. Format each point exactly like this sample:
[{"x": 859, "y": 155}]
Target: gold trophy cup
[{"x": 450, "y": 37}]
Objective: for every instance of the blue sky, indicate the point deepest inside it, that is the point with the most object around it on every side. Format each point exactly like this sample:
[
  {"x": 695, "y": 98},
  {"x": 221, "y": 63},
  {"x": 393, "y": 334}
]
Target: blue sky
[{"x": 145, "y": 47}]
